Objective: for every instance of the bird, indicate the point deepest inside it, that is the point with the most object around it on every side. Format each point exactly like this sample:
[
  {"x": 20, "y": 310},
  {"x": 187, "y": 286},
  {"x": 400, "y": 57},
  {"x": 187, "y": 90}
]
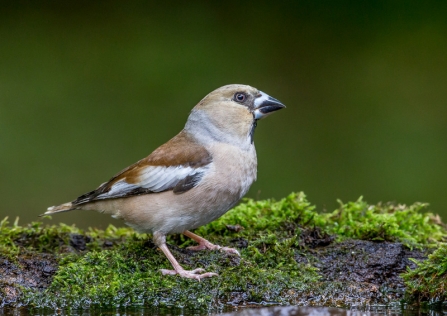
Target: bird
[{"x": 192, "y": 179}]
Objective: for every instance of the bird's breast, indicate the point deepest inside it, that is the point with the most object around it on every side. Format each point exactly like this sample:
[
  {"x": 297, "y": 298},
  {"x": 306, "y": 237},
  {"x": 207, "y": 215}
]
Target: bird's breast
[{"x": 232, "y": 173}]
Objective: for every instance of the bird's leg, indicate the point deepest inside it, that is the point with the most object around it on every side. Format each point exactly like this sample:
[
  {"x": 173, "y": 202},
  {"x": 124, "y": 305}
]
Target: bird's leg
[
  {"x": 160, "y": 241},
  {"x": 205, "y": 244}
]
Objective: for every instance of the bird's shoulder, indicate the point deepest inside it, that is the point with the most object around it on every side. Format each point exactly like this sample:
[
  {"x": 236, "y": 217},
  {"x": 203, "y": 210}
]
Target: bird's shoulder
[{"x": 182, "y": 150}]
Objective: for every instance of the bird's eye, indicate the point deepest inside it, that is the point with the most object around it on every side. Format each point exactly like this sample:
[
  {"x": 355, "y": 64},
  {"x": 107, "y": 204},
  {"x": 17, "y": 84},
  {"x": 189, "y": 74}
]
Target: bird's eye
[{"x": 240, "y": 97}]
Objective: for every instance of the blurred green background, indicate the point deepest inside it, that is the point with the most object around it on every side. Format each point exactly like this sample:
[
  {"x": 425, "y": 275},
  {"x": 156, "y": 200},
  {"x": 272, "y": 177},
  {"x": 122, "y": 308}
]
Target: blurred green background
[{"x": 87, "y": 88}]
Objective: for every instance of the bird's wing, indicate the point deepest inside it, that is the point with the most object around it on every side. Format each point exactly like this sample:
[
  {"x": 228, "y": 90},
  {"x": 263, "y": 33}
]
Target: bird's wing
[{"x": 177, "y": 165}]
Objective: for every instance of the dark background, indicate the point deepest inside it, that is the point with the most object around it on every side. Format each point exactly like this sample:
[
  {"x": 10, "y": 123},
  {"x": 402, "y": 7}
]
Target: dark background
[{"x": 88, "y": 88}]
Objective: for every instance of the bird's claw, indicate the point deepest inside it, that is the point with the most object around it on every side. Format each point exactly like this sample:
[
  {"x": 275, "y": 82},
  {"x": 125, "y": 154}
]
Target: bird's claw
[
  {"x": 210, "y": 246},
  {"x": 196, "y": 274},
  {"x": 197, "y": 247},
  {"x": 229, "y": 250}
]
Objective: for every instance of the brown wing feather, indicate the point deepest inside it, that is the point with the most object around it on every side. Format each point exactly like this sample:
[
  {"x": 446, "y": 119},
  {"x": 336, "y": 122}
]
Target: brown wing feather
[{"x": 181, "y": 150}]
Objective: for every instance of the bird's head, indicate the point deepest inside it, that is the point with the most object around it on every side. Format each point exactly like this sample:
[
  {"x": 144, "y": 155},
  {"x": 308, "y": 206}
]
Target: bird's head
[{"x": 230, "y": 113}]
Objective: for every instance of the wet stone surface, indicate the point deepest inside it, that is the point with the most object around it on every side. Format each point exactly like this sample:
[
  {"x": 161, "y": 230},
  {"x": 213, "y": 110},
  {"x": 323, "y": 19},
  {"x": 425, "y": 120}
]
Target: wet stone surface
[
  {"x": 315, "y": 237},
  {"x": 79, "y": 242},
  {"x": 34, "y": 271},
  {"x": 366, "y": 271},
  {"x": 379, "y": 263}
]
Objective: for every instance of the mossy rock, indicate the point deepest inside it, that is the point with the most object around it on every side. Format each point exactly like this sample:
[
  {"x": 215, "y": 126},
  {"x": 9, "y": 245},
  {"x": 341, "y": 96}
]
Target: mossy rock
[{"x": 290, "y": 255}]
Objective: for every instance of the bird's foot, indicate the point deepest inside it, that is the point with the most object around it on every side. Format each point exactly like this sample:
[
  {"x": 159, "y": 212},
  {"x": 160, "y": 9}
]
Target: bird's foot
[
  {"x": 189, "y": 274},
  {"x": 207, "y": 245}
]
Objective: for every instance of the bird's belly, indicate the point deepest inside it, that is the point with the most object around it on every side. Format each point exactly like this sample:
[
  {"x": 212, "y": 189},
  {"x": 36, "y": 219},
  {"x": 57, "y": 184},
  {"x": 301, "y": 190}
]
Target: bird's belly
[{"x": 183, "y": 211}]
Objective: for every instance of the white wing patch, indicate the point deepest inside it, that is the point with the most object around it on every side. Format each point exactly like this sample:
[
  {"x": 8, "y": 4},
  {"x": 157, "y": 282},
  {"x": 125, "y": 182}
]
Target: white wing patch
[
  {"x": 120, "y": 188},
  {"x": 154, "y": 179}
]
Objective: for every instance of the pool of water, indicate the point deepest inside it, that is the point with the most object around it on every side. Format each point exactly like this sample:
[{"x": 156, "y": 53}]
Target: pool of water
[{"x": 238, "y": 311}]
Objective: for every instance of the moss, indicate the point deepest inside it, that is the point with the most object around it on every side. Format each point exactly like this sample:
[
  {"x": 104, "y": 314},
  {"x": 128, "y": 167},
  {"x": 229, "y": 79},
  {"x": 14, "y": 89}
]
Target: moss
[
  {"x": 428, "y": 282},
  {"x": 411, "y": 225},
  {"x": 129, "y": 275},
  {"x": 33, "y": 237},
  {"x": 118, "y": 267},
  {"x": 266, "y": 215},
  {"x": 53, "y": 238}
]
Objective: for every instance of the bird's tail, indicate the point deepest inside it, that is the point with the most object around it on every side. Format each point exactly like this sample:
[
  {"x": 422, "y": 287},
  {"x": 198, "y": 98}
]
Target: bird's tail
[{"x": 60, "y": 208}]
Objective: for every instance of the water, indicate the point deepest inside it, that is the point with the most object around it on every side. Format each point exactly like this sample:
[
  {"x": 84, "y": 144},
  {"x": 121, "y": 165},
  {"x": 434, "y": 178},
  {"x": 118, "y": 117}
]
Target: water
[{"x": 238, "y": 311}]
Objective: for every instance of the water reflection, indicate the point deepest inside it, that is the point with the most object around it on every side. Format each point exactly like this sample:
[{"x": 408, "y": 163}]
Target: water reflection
[
  {"x": 328, "y": 311},
  {"x": 265, "y": 311}
]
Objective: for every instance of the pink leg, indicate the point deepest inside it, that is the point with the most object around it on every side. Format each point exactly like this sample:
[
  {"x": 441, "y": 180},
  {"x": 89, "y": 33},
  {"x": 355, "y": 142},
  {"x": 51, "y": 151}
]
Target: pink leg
[
  {"x": 160, "y": 241},
  {"x": 205, "y": 244}
]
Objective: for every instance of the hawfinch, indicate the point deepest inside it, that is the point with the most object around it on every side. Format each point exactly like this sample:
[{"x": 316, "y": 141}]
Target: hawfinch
[{"x": 191, "y": 180}]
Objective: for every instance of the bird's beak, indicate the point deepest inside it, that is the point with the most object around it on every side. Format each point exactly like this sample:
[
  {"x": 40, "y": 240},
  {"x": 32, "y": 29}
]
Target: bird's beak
[{"x": 265, "y": 105}]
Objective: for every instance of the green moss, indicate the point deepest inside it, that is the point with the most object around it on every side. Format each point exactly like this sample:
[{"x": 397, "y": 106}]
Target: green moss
[
  {"x": 428, "y": 282},
  {"x": 34, "y": 237},
  {"x": 410, "y": 225},
  {"x": 52, "y": 238},
  {"x": 129, "y": 275},
  {"x": 266, "y": 215},
  {"x": 121, "y": 268}
]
